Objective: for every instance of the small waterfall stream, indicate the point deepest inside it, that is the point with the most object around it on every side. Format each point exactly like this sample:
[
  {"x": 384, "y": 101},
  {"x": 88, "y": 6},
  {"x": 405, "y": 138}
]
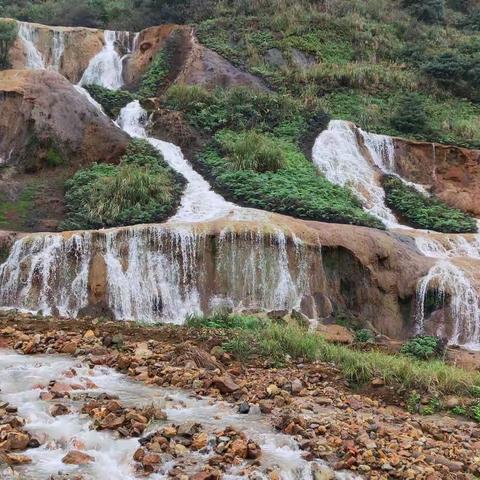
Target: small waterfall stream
[{"x": 357, "y": 159}]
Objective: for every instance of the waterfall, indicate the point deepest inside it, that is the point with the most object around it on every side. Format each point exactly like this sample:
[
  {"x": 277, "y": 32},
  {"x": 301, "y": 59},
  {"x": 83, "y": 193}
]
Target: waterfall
[
  {"x": 338, "y": 155},
  {"x": 199, "y": 201},
  {"x": 447, "y": 279},
  {"x": 47, "y": 273},
  {"x": 105, "y": 68},
  {"x": 156, "y": 273},
  {"x": 58, "y": 47},
  {"x": 29, "y": 36}
]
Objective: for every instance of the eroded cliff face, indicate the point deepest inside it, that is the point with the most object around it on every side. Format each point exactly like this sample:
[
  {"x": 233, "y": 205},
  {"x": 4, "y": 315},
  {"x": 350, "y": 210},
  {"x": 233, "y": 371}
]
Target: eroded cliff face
[
  {"x": 42, "y": 110},
  {"x": 67, "y": 50},
  {"x": 453, "y": 173},
  {"x": 163, "y": 272}
]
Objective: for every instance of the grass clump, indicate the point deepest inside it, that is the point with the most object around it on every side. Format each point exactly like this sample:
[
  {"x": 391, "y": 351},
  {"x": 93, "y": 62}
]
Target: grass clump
[
  {"x": 278, "y": 342},
  {"x": 141, "y": 189},
  {"x": 224, "y": 320},
  {"x": 424, "y": 212},
  {"x": 112, "y": 101},
  {"x": 255, "y": 151}
]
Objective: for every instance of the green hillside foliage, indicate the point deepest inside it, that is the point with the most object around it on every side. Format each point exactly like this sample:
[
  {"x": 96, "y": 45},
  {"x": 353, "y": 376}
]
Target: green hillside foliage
[
  {"x": 141, "y": 189},
  {"x": 424, "y": 212}
]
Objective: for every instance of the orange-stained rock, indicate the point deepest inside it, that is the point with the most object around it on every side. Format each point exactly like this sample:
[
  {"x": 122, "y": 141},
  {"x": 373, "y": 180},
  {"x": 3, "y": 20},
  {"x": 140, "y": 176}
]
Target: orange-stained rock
[{"x": 452, "y": 173}]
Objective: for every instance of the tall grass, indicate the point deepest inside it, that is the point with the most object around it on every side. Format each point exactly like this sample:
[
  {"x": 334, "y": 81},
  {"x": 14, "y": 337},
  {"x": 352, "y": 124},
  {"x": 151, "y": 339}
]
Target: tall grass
[
  {"x": 277, "y": 341},
  {"x": 251, "y": 150}
]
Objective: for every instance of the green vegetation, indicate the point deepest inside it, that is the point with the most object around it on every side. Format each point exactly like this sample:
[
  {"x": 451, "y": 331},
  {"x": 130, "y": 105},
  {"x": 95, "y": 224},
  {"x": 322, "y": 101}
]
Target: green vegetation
[
  {"x": 112, "y": 101},
  {"x": 278, "y": 342},
  {"x": 423, "y": 347},
  {"x": 421, "y": 211},
  {"x": 224, "y": 320},
  {"x": 255, "y": 151},
  {"x": 8, "y": 33},
  {"x": 15, "y": 213},
  {"x": 156, "y": 75},
  {"x": 141, "y": 189},
  {"x": 410, "y": 115},
  {"x": 298, "y": 189},
  {"x": 364, "y": 335},
  {"x": 255, "y": 158}
]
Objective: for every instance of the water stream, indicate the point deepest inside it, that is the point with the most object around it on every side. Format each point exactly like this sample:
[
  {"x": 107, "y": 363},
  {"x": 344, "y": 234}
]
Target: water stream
[{"x": 22, "y": 374}]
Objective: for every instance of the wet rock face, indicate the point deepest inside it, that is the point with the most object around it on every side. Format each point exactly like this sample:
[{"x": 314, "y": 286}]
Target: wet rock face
[
  {"x": 453, "y": 173},
  {"x": 79, "y": 46},
  {"x": 42, "y": 111}
]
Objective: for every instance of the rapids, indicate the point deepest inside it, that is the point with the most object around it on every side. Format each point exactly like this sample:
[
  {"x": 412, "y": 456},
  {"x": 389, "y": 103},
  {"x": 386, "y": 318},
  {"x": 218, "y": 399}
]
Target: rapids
[{"x": 21, "y": 375}]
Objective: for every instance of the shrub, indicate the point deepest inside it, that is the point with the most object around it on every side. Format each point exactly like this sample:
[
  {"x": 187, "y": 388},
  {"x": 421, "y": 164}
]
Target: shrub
[
  {"x": 364, "y": 335},
  {"x": 410, "y": 115},
  {"x": 141, "y": 189},
  {"x": 429, "y": 11},
  {"x": 296, "y": 189},
  {"x": 112, "y": 101},
  {"x": 425, "y": 212},
  {"x": 253, "y": 151},
  {"x": 423, "y": 347},
  {"x": 8, "y": 34}
]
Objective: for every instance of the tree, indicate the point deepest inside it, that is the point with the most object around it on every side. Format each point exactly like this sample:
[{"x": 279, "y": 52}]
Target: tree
[
  {"x": 8, "y": 34},
  {"x": 410, "y": 115}
]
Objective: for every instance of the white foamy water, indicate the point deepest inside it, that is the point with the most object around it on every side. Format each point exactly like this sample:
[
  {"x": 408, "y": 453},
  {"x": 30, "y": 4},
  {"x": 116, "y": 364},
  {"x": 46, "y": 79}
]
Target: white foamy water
[
  {"x": 21, "y": 375},
  {"x": 105, "y": 68},
  {"x": 339, "y": 157},
  {"x": 29, "y": 36},
  {"x": 199, "y": 201}
]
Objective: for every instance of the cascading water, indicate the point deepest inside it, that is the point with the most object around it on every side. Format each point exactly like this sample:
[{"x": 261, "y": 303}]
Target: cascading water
[
  {"x": 58, "y": 47},
  {"x": 47, "y": 273},
  {"x": 113, "y": 456},
  {"x": 29, "y": 36},
  {"x": 338, "y": 155},
  {"x": 105, "y": 68},
  {"x": 156, "y": 273},
  {"x": 199, "y": 201},
  {"x": 357, "y": 159}
]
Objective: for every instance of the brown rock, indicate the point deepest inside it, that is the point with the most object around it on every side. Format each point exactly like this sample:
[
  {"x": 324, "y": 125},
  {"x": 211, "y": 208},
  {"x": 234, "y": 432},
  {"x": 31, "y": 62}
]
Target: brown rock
[
  {"x": 76, "y": 457},
  {"x": 58, "y": 409},
  {"x": 225, "y": 384}
]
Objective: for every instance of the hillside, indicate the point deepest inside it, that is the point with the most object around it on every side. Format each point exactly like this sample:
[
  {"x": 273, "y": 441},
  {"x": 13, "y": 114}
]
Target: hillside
[{"x": 396, "y": 67}]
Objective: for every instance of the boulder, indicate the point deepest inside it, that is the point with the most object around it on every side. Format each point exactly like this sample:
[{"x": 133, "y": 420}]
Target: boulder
[{"x": 76, "y": 457}]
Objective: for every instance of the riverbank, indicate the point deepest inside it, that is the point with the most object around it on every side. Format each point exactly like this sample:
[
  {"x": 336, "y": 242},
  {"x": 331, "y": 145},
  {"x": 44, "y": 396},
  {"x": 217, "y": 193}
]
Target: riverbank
[{"x": 369, "y": 433}]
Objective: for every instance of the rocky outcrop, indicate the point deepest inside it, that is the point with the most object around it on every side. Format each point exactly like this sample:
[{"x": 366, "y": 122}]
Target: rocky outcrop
[
  {"x": 77, "y": 46},
  {"x": 162, "y": 272},
  {"x": 43, "y": 113},
  {"x": 191, "y": 62},
  {"x": 452, "y": 173}
]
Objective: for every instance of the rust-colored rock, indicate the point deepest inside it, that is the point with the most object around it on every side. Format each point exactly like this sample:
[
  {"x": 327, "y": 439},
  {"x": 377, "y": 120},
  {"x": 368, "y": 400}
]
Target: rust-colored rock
[{"x": 76, "y": 457}]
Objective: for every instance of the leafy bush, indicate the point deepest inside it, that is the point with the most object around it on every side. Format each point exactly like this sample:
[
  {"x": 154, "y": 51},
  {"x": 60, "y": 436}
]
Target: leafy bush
[
  {"x": 255, "y": 151},
  {"x": 8, "y": 33},
  {"x": 242, "y": 109},
  {"x": 364, "y": 335},
  {"x": 423, "y": 347},
  {"x": 296, "y": 189},
  {"x": 410, "y": 115},
  {"x": 112, "y": 101},
  {"x": 141, "y": 189},
  {"x": 429, "y": 11},
  {"x": 425, "y": 212}
]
